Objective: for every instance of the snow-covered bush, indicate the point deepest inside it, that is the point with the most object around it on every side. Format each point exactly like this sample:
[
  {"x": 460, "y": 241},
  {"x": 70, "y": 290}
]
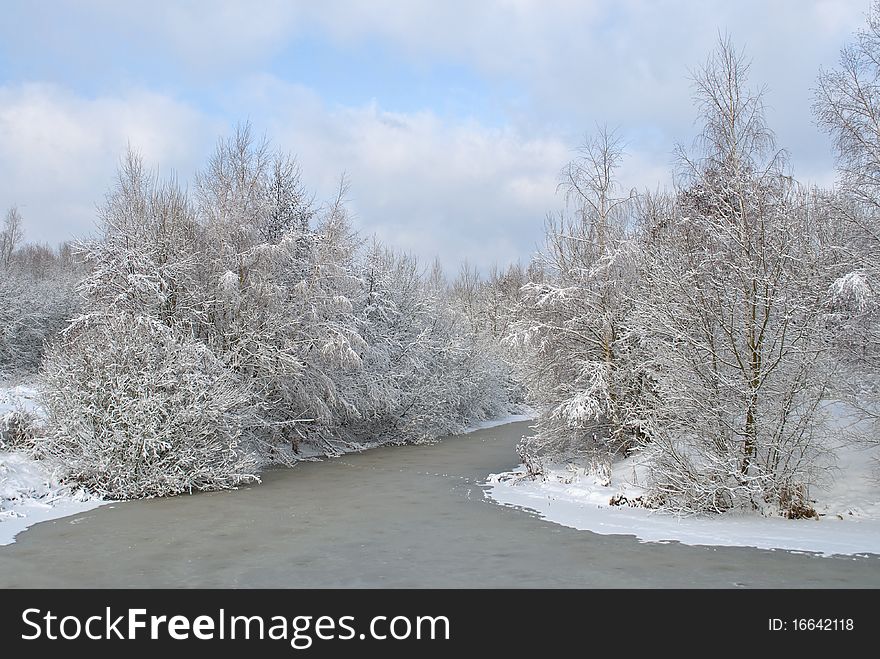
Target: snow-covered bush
[
  {"x": 135, "y": 409},
  {"x": 138, "y": 405},
  {"x": 847, "y": 106},
  {"x": 17, "y": 431}
]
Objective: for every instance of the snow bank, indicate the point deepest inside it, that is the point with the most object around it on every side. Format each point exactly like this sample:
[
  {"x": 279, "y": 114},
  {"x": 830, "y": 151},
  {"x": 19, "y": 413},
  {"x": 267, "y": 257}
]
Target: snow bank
[
  {"x": 30, "y": 491},
  {"x": 849, "y": 509}
]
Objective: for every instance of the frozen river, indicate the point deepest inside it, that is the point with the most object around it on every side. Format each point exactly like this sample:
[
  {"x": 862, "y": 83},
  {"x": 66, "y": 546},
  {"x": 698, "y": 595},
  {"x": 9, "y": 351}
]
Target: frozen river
[{"x": 395, "y": 517}]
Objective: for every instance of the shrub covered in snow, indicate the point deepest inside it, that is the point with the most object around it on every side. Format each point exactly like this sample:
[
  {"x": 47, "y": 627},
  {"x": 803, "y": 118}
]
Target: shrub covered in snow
[
  {"x": 17, "y": 431},
  {"x": 135, "y": 409},
  {"x": 426, "y": 370}
]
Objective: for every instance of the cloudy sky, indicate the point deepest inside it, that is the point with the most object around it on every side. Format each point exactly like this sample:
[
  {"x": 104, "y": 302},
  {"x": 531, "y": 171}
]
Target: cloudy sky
[{"x": 452, "y": 118}]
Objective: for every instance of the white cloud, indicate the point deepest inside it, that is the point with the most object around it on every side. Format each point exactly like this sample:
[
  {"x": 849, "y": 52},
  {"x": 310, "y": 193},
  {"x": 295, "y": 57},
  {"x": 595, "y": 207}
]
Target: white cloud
[
  {"x": 59, "y": 151},
  {"x": 422, "y": 181},
  {"x": 456, "y": 189},
  {"x": 459, "y": 190},
  {"x": 621, "y": 62}
]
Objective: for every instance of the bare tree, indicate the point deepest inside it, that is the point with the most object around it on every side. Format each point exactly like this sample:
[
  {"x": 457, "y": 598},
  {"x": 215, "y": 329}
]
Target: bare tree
[
  {"x": 11, "y": 237},
  {"x": 847, "y": 105},
  {"x": 503, "y": 293},
  {"x": 467, "y": 290}
]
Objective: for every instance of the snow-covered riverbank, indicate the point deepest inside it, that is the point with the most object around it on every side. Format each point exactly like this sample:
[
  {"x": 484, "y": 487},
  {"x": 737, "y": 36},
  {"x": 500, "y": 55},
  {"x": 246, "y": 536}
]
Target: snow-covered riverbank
[
  {"x": 30, "y": 491},
  {"x": 849, "y": 509}
]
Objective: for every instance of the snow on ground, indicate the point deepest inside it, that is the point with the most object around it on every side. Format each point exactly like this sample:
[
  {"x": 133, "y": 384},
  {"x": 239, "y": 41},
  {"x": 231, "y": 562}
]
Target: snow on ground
[
  {"x": 849, "y": 509},
  {"x": 18, "y": 397},
  {"x": 30, "y": 493},
  {"x": 29, "y": 489}
]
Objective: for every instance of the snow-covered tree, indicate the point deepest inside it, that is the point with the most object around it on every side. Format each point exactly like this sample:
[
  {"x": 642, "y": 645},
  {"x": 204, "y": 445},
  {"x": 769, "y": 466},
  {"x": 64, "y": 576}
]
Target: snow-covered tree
[
  {"x": 427, "y": 371},
  {"x": 847, "y": 105},
  {"x": 502, "y": 293},
  {"x": 733, "y": 318},
  {"x": 145, "y": 261},
  {"x": 36, "y": 296},
  {"x": 276, "y": 278},
  {"x": 571, "y": 330},
  {"x": 33, "y": 309}
]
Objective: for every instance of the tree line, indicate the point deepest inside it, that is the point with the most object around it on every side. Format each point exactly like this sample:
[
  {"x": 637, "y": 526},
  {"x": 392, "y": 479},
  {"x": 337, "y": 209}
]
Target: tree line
[
  {"x": 706, "y": 327},
  {"x": 245, "y": 325}
]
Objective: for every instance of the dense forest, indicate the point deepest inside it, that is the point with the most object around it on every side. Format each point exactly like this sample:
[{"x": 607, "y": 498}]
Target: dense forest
[{"x": 215, "y": 328}]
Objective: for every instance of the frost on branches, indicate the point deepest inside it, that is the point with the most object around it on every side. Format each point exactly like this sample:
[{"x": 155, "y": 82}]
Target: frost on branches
[
  {"x": 847, "y": 106},
  {"x": 570, "y": 332},
  {"x": 154, "y": 412},
  {"x": 691, "y": 327},
  {"x": 36, "y": 296},
  {"x": 733, "y": 319},
  {"x": 247, "y": 326}
]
